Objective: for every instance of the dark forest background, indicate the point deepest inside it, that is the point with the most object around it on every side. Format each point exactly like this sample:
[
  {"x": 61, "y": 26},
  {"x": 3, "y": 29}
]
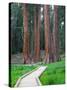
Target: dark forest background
[{"x": 17, "y": 29}]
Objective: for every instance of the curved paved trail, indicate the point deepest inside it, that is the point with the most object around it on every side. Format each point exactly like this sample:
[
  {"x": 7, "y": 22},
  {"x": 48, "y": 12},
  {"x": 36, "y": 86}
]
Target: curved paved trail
[{"x": 30, "y": 80}]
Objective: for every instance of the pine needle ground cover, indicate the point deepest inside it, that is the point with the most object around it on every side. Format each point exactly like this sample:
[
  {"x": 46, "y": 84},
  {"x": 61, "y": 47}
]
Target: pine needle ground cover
[
  {"x": 54, "y": 74},
  {"x": 19, "y": 70}
]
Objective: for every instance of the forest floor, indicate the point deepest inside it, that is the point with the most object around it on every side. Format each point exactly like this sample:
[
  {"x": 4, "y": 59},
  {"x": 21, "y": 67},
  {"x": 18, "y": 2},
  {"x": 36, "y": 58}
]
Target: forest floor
[{"x": 17, "y": 58}]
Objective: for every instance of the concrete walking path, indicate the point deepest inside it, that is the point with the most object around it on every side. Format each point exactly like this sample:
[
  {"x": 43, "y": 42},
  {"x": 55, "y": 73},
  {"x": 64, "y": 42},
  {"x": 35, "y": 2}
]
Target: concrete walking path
[{"x": 30, "y": 80}]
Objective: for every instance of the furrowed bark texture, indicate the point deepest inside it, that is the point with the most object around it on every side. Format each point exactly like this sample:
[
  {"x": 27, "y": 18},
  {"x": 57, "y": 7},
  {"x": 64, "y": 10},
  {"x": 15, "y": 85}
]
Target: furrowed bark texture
[
  {"x": 47, "y": 31},
  {"x": 55, "y": 35},
  {"x": 26, "y": 35},
  {"x": 37, "y": 18}
]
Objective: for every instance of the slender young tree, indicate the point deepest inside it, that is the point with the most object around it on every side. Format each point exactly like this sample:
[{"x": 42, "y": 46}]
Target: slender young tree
[
  {"x": 47, "y": 32},
  {"x": 55, "y": 35},
  {"x": 26, "y": 34}
]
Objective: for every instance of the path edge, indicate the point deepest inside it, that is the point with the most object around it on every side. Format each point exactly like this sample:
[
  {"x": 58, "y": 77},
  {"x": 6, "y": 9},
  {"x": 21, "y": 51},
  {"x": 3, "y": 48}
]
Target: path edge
[
  {"x": 18, "y": 81},
  {"x": 38, "y": 80}
]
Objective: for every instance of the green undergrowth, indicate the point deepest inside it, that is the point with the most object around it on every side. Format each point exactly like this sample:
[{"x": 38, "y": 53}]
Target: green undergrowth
[
  {"x": 19, "y": 70},
  {"x": 54, "y": 74}
]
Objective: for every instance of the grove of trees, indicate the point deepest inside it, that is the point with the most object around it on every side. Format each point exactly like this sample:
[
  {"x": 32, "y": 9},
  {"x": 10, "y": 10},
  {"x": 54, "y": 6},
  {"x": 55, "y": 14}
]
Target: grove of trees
[{"x": 38, "y": 32}]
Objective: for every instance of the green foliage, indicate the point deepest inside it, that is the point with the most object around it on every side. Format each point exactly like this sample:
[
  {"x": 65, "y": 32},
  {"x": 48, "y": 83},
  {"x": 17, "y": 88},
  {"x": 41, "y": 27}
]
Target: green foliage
[
  {"x": 19, "y": 70},
  {"x": 16, "y": 28},
  {"x": 61, "y": 18},
  {"x": 54, "y": 74}
]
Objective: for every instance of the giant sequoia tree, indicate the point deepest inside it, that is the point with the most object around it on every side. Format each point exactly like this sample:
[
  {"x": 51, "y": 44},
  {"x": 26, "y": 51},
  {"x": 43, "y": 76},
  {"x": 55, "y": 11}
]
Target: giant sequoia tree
[
  {"x": 37, "y": 20},
  {"x": 31, "y": 31},
  {"x": 56, "y": 34},
  {"x": 47, "y": 34},
  {"x": 26, "y": 35}
]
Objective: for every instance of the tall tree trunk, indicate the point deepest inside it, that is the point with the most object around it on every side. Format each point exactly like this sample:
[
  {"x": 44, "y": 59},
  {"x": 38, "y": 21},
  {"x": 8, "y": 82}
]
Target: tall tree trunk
[
  {"x": 37, "y": 19},
  {"x": 55, "y": 34},
  {"x": 38, "y": 32},
  {"x": 47, "y": 31},
  {"x": 26, "y": 35},
  {"x": 31, "y": 38},
  {"x": 35, "y": 40}
]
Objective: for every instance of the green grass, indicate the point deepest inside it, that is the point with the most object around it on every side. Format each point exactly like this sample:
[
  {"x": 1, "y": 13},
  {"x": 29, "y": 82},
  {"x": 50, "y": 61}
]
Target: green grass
[
  {"x": 19, "y": 70},
  {"x": 54, "y": 74}
]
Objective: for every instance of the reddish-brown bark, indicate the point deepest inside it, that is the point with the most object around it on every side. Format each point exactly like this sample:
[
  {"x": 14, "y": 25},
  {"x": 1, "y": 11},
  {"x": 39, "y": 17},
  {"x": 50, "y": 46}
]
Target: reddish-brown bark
[
  {"x": 37, "y": 33},
  {"x": 55, "y": 35},
  {"x": 26, "y": 35},
  {"x": 48, "y": 53}
]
